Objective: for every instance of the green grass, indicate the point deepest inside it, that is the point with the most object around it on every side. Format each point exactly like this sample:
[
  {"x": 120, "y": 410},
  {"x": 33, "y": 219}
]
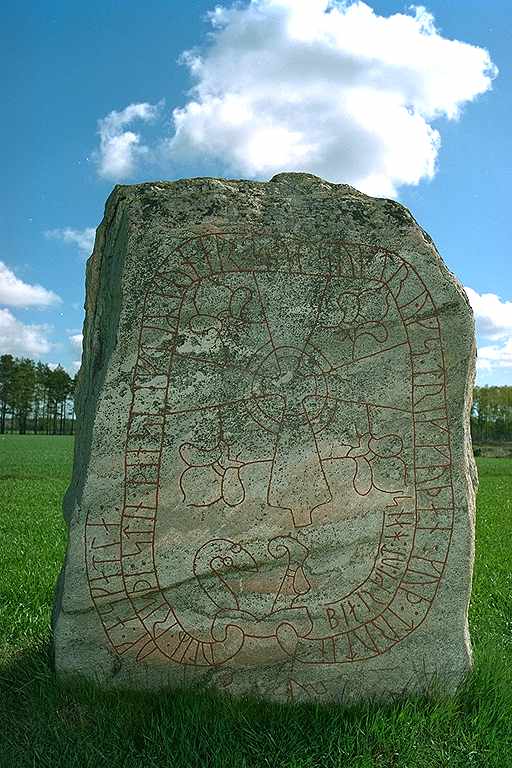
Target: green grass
[
  {"x": 47, "y": 724},
  {"x": 34, "y": 473}
]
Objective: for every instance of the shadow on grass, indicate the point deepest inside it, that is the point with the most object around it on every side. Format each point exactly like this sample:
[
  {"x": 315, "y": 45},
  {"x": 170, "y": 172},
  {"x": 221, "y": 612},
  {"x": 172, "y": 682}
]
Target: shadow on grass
[{"x": 49, "y": 723}]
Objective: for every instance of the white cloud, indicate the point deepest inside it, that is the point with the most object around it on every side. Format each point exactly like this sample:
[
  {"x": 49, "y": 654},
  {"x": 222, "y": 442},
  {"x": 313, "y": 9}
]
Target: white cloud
[
  {"x": 495, "y": 356},
  {"x": 82, "y": 238},
  {"x": 330, "y": 88},
  {"x": 15, "y": 293},
  {"x": 493, "y": 316},
  {"x": 493, "y": 322},
  {"x": 20, "y": 339},
  {"x": 76, "y": 339},
  {"x": 121, "y": 149}
]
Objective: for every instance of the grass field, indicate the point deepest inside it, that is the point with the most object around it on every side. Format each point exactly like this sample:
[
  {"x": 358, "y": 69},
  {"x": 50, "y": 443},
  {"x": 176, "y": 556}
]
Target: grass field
[{"x": 48, "y": 725}]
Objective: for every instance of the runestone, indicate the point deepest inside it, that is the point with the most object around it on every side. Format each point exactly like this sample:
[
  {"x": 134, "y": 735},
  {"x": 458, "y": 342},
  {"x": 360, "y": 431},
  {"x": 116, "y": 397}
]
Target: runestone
[{"x": 273, "y": 487}]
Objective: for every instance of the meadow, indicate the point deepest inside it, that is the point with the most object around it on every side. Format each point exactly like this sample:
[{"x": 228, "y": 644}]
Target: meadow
[{"x": 46, "y": 724}]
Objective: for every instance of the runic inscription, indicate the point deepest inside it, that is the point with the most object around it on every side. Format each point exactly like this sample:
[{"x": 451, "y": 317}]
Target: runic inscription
[{"x": 265, "y": 408}]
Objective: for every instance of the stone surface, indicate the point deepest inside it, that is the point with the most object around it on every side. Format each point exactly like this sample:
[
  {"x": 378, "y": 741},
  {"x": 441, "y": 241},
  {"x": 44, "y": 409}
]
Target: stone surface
[{"x": 273, "y": 488}]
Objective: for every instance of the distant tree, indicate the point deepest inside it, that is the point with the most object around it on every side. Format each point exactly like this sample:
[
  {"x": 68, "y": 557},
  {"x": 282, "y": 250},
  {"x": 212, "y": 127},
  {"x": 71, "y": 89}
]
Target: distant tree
[
  {"x": 35, "y": 397},
  {"x": 60, "y": 388},
  {"x": 24, "y": 381},
  {"x": 491, "y": 415},
  {"x": 7, "y": 368},
  {"x": 72, "y": 402},
  {"x": 40, "y": 392}
]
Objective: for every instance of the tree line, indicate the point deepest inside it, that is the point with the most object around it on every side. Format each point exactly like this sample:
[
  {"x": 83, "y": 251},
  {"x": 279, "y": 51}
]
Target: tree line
[
  {"x": 39, "y": 399},
  {"x": 491, "y": 415},
  {"x": 35, "y": 397}
]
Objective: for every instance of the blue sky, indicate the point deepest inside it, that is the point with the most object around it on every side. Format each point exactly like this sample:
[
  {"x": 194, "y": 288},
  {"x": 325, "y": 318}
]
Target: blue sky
[{"x": 71, "y": 65}]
